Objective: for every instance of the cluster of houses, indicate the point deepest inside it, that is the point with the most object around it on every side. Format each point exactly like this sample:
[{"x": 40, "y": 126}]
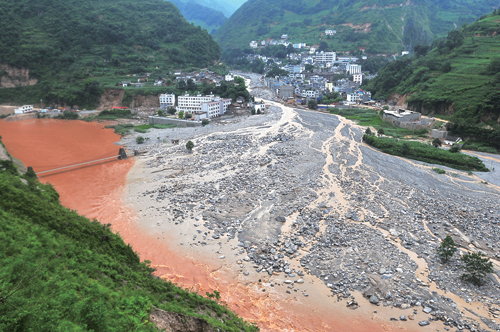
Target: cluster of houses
[
  {"x": 284, "y": 41},
  {"x": 197, "y": 77},
  {"x": 304, "y": 85}
]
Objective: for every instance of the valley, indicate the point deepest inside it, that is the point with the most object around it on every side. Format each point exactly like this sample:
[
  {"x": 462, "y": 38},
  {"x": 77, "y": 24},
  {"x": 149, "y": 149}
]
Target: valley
[{"x": 291, "y": 210}]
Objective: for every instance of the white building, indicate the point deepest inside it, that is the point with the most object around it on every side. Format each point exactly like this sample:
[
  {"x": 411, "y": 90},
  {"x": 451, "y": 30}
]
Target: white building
[
  {"x": 215, "y": 108},
  {"x": 353, "y": 69},
  {"x": 310, "y": 93},
  {"x": 229, "y": 78},
  {"x": 299, "y": 45},
  {"x": 357, "y": 78},
  {"x": 285, "y": 37},
  {"x": 353, "y": 97},
  {"x": 253, "y": 44},
  {"x": 194, "y": 104},
  {"x": 325, "y": 57},
  {"x": 312, "y": 50},
  {"x": 167, "y": 101},
  {"x": 330, "y": 32},
  {"x": 24, "y": 109}
]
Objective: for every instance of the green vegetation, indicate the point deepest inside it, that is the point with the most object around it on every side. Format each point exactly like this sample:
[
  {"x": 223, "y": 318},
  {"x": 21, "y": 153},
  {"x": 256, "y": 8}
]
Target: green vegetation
[
  {"x": 436, "y": 143},
  {"x": 144, "y": 128},
  {"x": 114, "y": 114},
  {"x": 208, "y": 18},
  {"x": 62, "y": 272},
  {"x": 446, "y": 249},
  {"x": 477, "y": 265},
  {"x": 121, "y": 129},
  {"x": 312, "y": 104},
  {"x": 439, "y": 170},
  {"x": 426, "y": 153},
  {"x": 375, "y": 25},
  {"x": 459, "y": 73},
  {"x": 76, "y": 48},
  {"x": 369, "y": 117},
  {"x": 68, "y": 115},
  {"x": 189, "y": 146},
  {"x": 204, "y": 122},
  {"x": 139, "y": 140}
]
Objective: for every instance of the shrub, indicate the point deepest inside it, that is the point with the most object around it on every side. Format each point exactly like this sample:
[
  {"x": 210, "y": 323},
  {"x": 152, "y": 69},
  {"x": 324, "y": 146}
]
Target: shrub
[
  {"x": 139, "y": 140},
  {"x": 439, "y": 170},
  {"x": 436, "y": 142},
  {"x": 188, "y": 116},
  {"x": 477, "y": 265},
  {"x": 253, "y": 111},
  {"x": 454, "y": 149},
  {"x": 368, "y": 131},
  {"x": 259, "y": 112},
  {"x": 446, "y": 249},
  {"x": 171, "y": 110},
  {"x": 204, "y": 122},
  {"x": 180, "y": 115},
  {"x": 161, "y": 113},
  {"x": 381, "y": 131},
  {"x": 189, "y": 146}
]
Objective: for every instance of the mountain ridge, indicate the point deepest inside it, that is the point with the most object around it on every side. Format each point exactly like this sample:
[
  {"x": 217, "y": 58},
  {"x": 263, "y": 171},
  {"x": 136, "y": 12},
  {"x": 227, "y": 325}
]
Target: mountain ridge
[{"x": 393, "y": 25}]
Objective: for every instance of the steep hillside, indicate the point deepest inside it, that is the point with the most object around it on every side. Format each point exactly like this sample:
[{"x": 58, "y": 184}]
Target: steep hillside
[
  {"x": 198, "y": 14},
  {"x": 459, "y": 76},
  {"x": 380, "y": 26},
  {"x": 62, "y": 272},
  {"x": 63, "y": 47}
]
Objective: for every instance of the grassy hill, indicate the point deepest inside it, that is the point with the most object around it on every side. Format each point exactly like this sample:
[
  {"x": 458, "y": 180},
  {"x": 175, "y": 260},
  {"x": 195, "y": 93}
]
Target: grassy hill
[
  {"x": 72, "y": 47},
  {"x": 381, "y": 26},
  {"x": 459, "y": 76},
  {"x": 198, "y": 14},
  {"x": 62, "y": 272}
]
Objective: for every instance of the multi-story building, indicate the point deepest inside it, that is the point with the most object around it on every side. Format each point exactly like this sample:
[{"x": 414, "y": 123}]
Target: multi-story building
[
  {"x": 357, "y": 78},
  {"x": 253, "y": 44},
  {"x": 286, "y": 91},
  {"x": 166, "y": 101},
  {"x": 353, "y": 69},
  {"x": 192, "y": 104},
  {"x": 211, "y": 105},
  {"x": 215, "y": 108},
  {"x": 330, "y": 32},
  {"x": 24, "y": 109},
  {"x": 325, "y": 57}
]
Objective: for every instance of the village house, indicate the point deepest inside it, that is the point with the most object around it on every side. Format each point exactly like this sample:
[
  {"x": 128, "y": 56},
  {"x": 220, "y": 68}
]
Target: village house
[
  {"x": 166, "y": 101},
  {"x": 23, "y": 109}
]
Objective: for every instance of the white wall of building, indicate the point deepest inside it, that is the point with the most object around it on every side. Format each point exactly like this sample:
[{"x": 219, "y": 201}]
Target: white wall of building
[{"x": 24, "y": 109}]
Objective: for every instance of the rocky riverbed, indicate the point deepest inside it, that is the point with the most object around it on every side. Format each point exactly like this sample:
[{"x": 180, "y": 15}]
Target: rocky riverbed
[{"x": 292, "y": 194}]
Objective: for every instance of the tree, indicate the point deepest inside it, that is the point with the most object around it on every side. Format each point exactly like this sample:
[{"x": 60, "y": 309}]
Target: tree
[
  {"x": 381, "y": 131},
  {"x": 180, "y": 115},
  {"x": 368, "y": 131},
  {"x": 323, "y": 46},
  {"x": 171, "y": 110},
  {"x": 204, "y": 122},
  {"x": 436, "y": 142},
  {"x": 446, "y": 249},
  {"x": 405, "y": 148},
  {"x": 189, "y": 146},
  {"x": 308, "y": 67},
  {"x": 312, "y": 104},
  {"x": 188, "y": 115},
  {"x": 421, "y": 50},
  {"x": 454, "y": 149},
  {"x": 161, "y": 113},
  {"x": 477, "y": 265},
  {"x": 139, "y": 140}
]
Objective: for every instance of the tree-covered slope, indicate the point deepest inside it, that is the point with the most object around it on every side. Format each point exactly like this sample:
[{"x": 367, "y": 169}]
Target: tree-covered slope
[
  {"x": 459, "y": 76},
  {"x": 65, "y": 42},
  {"x": 62, "y": 272},
  {"x": 198, "y": 14},
  {"x": 380, "y": 26}
]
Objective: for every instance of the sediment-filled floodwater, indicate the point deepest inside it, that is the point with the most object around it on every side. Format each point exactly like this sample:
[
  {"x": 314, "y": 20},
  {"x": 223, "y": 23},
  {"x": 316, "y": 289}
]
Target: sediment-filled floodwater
[{"x": 96, "y": 190}]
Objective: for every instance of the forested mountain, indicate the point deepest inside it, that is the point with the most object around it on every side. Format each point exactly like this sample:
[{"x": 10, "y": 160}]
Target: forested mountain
[
  {"x": 66, "y": 45},
  {"x": 459, "y": 75},
  {"x": 381, "y": 26},
  {"x": 228, "y": 7},
  {"x": 63, "y": 272},
  {"x": 198, "y": 14}
]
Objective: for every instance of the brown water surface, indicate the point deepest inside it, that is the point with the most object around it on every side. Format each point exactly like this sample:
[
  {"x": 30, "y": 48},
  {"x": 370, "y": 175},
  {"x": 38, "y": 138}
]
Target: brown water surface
[{"x": 96, "y": 191}]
